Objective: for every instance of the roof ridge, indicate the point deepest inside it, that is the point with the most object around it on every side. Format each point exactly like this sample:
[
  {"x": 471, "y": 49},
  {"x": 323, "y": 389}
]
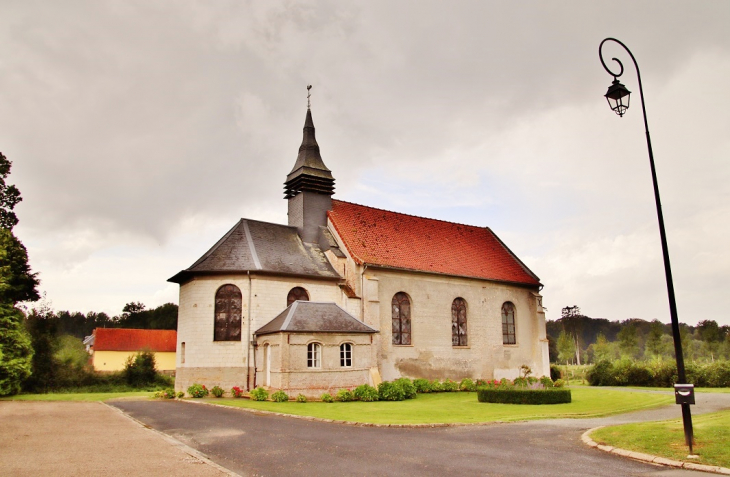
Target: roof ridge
[{"x": 414, "y": 216}]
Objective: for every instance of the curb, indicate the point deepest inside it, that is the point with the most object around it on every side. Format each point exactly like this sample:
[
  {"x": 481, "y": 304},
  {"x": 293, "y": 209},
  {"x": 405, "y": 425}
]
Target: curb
[
  {"x": 652, "y": 459},
  {"x": 347, "y": 423},
  {"x": 176, "y": 443}
]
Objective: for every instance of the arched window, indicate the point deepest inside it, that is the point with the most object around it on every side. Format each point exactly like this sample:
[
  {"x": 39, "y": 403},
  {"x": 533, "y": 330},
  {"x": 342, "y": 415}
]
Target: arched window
[
  {"x": 401, "y": 319},
  {"x": 458, "y": 322},
  {"x": 314, "y": 355},
  {"x": 508, "y": 323},
  {"x": 346, "y": 355},
  {"x": 227, "y": 314},
  {"x": 296, "y": 293}
]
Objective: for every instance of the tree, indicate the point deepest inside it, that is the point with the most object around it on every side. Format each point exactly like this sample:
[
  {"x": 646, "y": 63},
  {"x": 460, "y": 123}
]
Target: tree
[
  {"x": 9, "y": 196},
  {"x": 602, "y": 349},
  {"x": 17, "y": 282},
  {"x": 629, "y": 341},
  {"x": 655, "y": 345},
  {"x": 566, "y": 347},
  {"x": 16, "y": 351}
]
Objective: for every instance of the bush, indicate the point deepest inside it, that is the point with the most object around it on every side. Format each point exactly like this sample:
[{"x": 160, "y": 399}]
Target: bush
[
  {"x": 436, "y": 386},
  {"x": 236, "y": 392},
  {"x": 259, "y": 394},
  {"x": 449, "y": 386},
  {"x": 180, "y": 395},
  {"x": 601, "y": 374},
  {"x": 165, "y": 394},
  {"x": 481, "y": 382},
  {"x": 140, "y": 369},
  {"x": 555, "y": 372},
  {"x": 301, "y": 398},
  {"x": 366, "y": 393},
  {"x": 547, "y": 382},
  {"x": 559, "y": 383},
  {"x": 345, "y": 395},
  {"x": 217, "y": 391},
  {"x": 408, "y": 388},
  {"x": 391, "y": 391},
  {"x": 467, "y": 384},
  {"x": 520, "y": 382},
  {"x": 197, "y": 390},
  {"x": 422, "y": 385},
  {"x": 524, "y": 396},
  {"x": 280, "y": 396},
  {"x": 718, "y": 374},
  {"x": 326, "y": 397}
]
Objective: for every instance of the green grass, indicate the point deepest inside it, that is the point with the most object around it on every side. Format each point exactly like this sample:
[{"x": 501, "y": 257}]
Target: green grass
[
  {"x": 77, "y": 396},
  {"x": 666, "y": 438},
  {"x": 463, "y": 407}
]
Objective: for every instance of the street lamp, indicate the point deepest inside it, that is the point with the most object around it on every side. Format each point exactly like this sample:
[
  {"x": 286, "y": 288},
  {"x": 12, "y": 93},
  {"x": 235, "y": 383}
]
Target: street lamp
[{"x": 618, "y": 99}]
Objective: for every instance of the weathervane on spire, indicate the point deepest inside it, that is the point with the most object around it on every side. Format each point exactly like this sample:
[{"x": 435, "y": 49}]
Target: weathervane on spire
[{"x": 309, "y": 104}]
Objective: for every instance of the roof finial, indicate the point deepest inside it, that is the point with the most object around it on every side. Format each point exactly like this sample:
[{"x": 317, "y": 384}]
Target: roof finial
[{"x": 309, "y": 104}]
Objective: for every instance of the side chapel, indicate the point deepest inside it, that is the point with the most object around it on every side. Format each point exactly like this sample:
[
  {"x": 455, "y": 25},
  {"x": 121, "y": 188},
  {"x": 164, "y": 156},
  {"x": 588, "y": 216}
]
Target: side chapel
[{"x": 347, "y": 294}]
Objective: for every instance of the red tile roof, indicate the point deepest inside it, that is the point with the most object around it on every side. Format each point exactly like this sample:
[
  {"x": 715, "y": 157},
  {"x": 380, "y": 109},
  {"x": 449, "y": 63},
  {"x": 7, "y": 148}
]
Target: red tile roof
[
  {"x": 390, "y": 239},
  {"x": 123, "y": 339}
]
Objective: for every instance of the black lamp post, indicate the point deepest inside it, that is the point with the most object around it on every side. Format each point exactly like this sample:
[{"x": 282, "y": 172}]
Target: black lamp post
[{"x": 618, "y": 99}]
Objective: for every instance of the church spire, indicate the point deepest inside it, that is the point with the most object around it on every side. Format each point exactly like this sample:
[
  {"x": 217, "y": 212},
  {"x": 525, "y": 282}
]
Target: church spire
[{"x": 309, "y": 173}]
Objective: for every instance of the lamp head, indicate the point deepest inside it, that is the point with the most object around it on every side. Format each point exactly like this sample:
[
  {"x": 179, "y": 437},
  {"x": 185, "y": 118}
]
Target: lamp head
[{"x": 618, "y": 97}]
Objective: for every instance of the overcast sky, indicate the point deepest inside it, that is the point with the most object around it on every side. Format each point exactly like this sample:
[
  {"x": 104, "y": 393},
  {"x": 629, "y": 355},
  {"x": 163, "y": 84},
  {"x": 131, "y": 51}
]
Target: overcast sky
[{"x": 141, "y": 131}]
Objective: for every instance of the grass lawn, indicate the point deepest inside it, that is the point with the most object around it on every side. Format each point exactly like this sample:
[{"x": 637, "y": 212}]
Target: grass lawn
[
  {"x": 666, "y": 438},
  {"x": 462, "y": 407},
  {"x": 77, "y": 396}
]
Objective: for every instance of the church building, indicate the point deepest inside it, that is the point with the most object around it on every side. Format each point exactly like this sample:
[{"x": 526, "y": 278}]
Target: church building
[{"x": 347, "y": 294}]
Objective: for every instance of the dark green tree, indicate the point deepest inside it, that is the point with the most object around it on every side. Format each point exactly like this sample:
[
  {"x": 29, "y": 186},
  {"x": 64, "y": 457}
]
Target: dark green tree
[
  {"x": 9, "y": 196},
  {"x": 16, "y": 351},
  {"x": 17, "y": 282},
  {"x": 628, "y": 341}
]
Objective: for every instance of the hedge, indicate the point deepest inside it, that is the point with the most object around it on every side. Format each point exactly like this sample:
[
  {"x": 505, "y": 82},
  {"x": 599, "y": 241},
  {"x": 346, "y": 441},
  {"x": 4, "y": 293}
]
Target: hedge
[
  {"x": 625, "y": 372},
  {"x": 524, "y": 396}
]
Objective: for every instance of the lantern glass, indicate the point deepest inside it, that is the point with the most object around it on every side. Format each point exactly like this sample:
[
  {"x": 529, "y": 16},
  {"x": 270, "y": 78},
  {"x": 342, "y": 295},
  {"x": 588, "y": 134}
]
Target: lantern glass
[{"x": 618, "y": 97}]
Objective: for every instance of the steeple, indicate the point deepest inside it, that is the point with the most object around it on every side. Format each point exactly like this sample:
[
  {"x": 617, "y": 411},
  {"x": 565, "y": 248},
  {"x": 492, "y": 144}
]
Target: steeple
[
  {"x": 309, "y": 172},
  {"x": 309, "y": 186}
]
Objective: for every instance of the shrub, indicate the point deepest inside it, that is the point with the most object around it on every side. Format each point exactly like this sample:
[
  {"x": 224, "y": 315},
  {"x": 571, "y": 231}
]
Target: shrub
[
  {"x": 180, "y": 395},
  {"x": 366, "y": 393},
  {"x": 301, "y": 398},
  {"x": 408, "y": 388},
  {"x": 546, "y": 382},
  {"x": 165, "y": 394},
  {"x": 198, "y": 390},
  {"x": 217, "y": 391},
  {"x": 326, "y": 397},
  {"x": 450, "y": 386},
  {"x": 422, "y": 385},
  {"x": 555, "y": 372},
  {"x": 467, "y": 384},
  {"x": 436, "y": 386},
  {"x": 139, "y": 370},
  {"x": 345, "y": 395},
  {"x": 718, "y": 374},
  {"x": 280, "y": 396},
  {"x": 390, "y": 391},
  {"x": 481, "y": 382},
  {"x": 559, "y": 383},
  {"x": 601, "y": 374},
  {"x": 259, "y": 394},
  {"x": 524, "y": 396},
  {"x": 520, "y": 382},
  {"x": 236, "y": 392}
]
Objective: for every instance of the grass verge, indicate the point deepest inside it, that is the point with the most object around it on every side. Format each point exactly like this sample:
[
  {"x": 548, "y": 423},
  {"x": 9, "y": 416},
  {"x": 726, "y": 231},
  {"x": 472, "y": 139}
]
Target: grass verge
[
  {"x": 463, "y": 407},
  {"x": 77, "y": 396},
  {"x": 666, "y": 438}
]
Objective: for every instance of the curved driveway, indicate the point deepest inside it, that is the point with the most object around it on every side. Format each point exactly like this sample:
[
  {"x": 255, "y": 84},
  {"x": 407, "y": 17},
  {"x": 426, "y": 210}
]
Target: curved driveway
[{"x": 268, "y": 445}]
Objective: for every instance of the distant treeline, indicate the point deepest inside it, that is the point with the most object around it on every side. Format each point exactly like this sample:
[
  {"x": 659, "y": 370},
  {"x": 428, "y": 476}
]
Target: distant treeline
[
  {"x": 134, "y": 315},
  {"x": 594, "y": 339}
]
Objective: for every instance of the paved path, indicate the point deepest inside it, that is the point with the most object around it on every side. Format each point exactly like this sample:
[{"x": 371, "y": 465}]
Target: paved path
[
  {"x": 266, "y": 445},
  {"x": 87, "y": 439}
]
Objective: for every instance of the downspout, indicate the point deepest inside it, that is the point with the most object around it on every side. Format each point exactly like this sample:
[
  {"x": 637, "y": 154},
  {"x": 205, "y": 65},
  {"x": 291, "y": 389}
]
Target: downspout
[
  {"x": 362, "y": 292},
  {"x": 248, "y": 336},
  {"x": 255, "y": 345}
]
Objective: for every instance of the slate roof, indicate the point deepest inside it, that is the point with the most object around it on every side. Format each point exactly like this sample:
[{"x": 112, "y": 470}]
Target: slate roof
[
  {"x": 390, "y": 239},
  {"x": 314, "y": 317},
  {"x": 261, "y": 247},
  {"x": 125, "y": 339}
]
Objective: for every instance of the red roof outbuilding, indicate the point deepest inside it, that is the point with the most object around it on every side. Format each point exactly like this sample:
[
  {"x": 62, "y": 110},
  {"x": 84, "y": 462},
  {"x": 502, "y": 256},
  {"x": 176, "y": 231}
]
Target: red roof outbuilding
[
  {"x": 125, "y": 339},
  {"x": 390, "y": 239}
]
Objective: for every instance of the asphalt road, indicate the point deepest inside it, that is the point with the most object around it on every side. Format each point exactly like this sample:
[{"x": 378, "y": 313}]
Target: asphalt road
[{"x": 266, "y": 445}]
